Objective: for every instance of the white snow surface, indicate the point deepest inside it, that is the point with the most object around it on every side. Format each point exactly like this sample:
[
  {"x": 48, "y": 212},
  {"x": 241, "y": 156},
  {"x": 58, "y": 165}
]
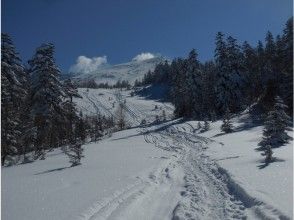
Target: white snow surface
[{"x": 170, "y": 170}]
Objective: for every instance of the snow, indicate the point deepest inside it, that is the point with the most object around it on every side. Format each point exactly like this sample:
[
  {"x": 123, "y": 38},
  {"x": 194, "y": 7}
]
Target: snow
[
  {"x": 105, "y": 102},
  {"x": 170, "y": 170},
  {"x": 235, "y": 152},
  {"x": 129, "y": 71},
  {"x": 51, "y": 189}
]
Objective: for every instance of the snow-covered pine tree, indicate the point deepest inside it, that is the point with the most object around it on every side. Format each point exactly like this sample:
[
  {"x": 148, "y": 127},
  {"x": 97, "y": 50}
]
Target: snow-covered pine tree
[
  {"x": 286, "y": 89},
  {"x": 71, "y": 92},
  {"x": 235, "y": 70},
  {"x": 227, "y": 126},
  {"x": 163, "y": 115},
  {"x": 192, "y": 90},
  {"x": 228, "y": 58},
  {"x": 274, "y": 133},
  {"x": 47, "y": 94},
  {"x": 268, "y": 154},
  {"x": 81, "y": 128},
  {"x": 208, "y": 90},
  {"x": 178, "y": 69},
  {"x": 13, "y": 95},
  {"x": 223, "y": 78},
  {"x": 121, "y": 117},
  {"x": 206, "y": 126},
  {"x": 251, "y": 73},
  {"x": 75, "y": 152}
]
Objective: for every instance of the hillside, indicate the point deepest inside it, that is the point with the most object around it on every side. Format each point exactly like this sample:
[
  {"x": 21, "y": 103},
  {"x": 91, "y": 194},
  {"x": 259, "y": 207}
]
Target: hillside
[
  {"x": 129, "y": 71},
  {"x": 132, "y": 175}
]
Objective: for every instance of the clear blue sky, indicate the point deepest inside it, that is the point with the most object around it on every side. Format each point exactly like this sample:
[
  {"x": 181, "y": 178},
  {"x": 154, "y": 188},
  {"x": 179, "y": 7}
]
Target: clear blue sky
[{"x": 121, "y": 29}]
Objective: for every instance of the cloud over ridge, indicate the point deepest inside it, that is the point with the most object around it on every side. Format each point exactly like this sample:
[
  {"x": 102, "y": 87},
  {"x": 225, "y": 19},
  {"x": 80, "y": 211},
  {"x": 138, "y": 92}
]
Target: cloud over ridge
[
  {"x": 143, "y": 56},
  {"x": 86, "y": 65}
]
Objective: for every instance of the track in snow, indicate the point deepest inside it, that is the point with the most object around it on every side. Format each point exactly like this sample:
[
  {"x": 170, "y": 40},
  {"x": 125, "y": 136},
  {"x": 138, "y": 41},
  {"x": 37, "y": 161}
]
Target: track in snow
[{"x": 188, "y": 185}]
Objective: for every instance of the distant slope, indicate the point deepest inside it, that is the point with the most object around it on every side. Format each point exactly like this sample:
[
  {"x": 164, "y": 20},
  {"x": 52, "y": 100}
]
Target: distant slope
[{"x": 129, "y": 71}]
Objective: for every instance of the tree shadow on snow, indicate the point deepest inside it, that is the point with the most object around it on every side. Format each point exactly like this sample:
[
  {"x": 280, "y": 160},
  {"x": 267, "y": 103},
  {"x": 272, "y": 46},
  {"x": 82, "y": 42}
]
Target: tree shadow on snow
[
  {"x": 156, "y": 129},
  {"x": 265, "y": 164},
  {"x": 52, "y": 170}
]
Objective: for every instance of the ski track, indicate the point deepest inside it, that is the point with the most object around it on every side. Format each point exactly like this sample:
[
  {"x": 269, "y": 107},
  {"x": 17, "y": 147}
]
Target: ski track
[{"x": 188, "y": 185}]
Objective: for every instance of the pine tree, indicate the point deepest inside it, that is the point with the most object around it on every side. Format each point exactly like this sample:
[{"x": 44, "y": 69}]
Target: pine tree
[
  {"x": 208, "y": 90},
  {"x": 192, "y": 90},
  {"x": 71, "y": 92},
  {"x": 81, "y": 128},
  {"x": 227, "y": 126},
  {"x": 286, "y": 54},
  {"x": 222, "y": 85},
  {"x": 274, "y": 133},
  {"x": 121, "y": 118},
  {"x": 75, "y": 152},
  {"x": 253, "y": 78},
  {"x": 235, "y": 71},
  {"x": 268, "y": 154},
  {"x": 206, "y": 126},
  {"x": 13, "y": 96},
  {"x": 47, "y": 94}
]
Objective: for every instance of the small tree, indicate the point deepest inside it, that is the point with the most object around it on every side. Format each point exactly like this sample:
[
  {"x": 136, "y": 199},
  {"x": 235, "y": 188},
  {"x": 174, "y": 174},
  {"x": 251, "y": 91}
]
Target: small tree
[
  {"x": 206, "y": 126},
  {"x": 163, "y": 115},
  {"x": 227, "y": 126},
  {"x": 268, "y": 154},
  {"x": 75, "y": 152},
  {"x": 274, "y": 133},
  {"x": 121, "y": 118}
]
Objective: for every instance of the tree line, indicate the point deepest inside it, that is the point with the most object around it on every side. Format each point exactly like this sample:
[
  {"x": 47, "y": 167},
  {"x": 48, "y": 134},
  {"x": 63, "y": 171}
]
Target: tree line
[
  {"x": 38, "y": 111},
  {"x": 239, "y": 77}
]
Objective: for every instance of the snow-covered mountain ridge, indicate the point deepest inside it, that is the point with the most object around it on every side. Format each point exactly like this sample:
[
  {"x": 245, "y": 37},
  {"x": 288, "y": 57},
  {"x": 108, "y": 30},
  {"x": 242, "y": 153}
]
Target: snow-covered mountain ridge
[{"x": 129, "y": 71}]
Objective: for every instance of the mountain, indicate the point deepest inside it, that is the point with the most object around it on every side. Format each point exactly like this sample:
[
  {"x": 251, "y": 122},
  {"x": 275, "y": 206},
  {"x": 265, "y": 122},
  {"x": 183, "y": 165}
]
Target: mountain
[{"x": 129, "y": 71}]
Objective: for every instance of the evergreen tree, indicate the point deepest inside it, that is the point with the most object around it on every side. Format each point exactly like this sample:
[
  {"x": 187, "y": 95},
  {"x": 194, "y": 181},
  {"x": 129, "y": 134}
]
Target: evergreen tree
[
  {"x": 223, "y": 78},
  {"x": 121, "y": 118},
  {"x": 286, "y": 90},
  {"x": 268, "y": 154},
  {"x": 192, "y": 90},
  {"x": 208, "y": 90},
  {"x": 75, "y": 152},
  {"x": 47, "y": 94},
  {"x": 227, "y": 126},
  {"x": 253, "y": 77},
  {"x": 206, "y": 126},
  {"x": 274, "y": 133},
  {"x": 81, "y": 128},
  {"x": 69, "y": 106},
  {"x": 235, "y": 71},
  {"x": 13, "y": 95}
]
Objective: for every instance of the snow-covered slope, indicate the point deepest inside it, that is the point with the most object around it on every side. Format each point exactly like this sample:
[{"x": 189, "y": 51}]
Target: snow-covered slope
[
  {"x": 169, "y": 170},
  {"x": 105, "y": 102},
  {"x": 126, "y": 71}
]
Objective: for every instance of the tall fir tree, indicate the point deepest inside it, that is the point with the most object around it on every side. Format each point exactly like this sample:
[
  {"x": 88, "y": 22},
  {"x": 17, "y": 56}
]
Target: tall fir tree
[
  {"x": 223, "y": 77},
  {"x": 13, "y": 96},
  {"x": 47, "y": 94},
  {"x": 277, "y": 120}
]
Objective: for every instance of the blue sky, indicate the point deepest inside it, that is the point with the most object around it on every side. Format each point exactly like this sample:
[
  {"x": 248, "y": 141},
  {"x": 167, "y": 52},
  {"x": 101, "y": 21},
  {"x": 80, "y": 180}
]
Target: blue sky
[{"x": 121, "y": 29}]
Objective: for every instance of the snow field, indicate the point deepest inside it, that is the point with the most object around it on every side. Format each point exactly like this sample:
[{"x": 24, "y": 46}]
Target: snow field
[{"x": 163, "y": 171}]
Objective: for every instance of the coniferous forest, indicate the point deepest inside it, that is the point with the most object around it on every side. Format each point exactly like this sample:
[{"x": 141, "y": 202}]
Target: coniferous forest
[
  {"x": 38, "y": 112},
  {"x": 240, "y": 76}
]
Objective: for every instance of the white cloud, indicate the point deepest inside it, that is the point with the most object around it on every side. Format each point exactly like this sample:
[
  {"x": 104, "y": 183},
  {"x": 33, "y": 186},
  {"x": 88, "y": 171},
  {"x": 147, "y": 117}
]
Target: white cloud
[
  {"x": 85, "y": 64},
  {"x": 143, "y": 56}
]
